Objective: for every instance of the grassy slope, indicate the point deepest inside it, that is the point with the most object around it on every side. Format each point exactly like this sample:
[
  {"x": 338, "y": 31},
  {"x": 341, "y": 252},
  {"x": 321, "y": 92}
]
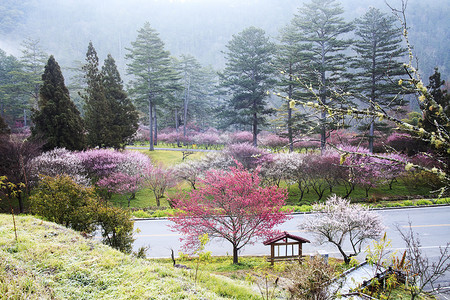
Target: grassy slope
[{"x": 51, "y": 261}]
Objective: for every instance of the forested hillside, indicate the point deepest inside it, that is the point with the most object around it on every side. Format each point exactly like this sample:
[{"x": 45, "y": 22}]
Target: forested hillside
[{"x": 197, "y": 27}]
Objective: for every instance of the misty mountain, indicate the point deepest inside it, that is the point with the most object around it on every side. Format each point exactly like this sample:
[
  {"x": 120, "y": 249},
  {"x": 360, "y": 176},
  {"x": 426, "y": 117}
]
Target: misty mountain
[{"x": 201, "y": 28}]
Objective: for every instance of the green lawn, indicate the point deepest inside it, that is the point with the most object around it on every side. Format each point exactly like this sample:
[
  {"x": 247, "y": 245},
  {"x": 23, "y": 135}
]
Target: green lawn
[{"x": 170, "y": 158}]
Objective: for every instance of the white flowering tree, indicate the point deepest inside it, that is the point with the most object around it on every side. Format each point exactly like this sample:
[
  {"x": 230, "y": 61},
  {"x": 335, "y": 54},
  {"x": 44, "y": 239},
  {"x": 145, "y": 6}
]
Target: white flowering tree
[
  {"x": 337, "y": 221},
  {"x": 56, "y": 162}
]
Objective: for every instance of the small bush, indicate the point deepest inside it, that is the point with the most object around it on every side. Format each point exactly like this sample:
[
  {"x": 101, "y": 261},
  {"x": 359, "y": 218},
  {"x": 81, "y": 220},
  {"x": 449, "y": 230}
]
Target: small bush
[
  {"x": 395, "y": 204},
  {"x": 289, "y": 208},
  {"x": 116, "y": 227},
  {"x": 303, "y": 208},
  {"x": 408, "y": 203},
  {"x": 309, "y": 279},
  {"x": 59, "y": 199},
  {"x": 423, "y": 202},
  {"x": 141, "y": 214},
  {"x": 443, "y": 201}
]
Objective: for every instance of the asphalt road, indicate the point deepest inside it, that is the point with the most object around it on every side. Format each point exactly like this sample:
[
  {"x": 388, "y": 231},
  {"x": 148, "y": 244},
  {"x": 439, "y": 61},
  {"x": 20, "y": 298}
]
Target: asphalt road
[{"x": 432, "y": 224}]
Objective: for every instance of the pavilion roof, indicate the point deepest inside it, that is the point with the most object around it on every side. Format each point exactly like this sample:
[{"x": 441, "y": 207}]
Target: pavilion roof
[{"x": 283, "y": 235}]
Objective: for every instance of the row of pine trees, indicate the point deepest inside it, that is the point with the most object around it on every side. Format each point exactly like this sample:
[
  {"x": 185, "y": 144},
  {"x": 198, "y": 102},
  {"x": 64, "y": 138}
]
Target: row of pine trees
[{"x": 315, "y": 59}]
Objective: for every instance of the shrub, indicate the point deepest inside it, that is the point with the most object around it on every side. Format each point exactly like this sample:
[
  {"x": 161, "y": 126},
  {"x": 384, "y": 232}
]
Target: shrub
[
  {"x": 59, "y": 199},
  {"x": 309, "y": 280},
  {"x": 140, "y": 214},
  {"x": 273, "y": 141},
  {"x": 443, "y": 201},
  {"x": 423, "y": 202},
  {"x": 395, "y": 204},
  {"x": 408, "y": 203},
  {"x": 304, "y": 208},
  {"x": 116, "y": 227}
]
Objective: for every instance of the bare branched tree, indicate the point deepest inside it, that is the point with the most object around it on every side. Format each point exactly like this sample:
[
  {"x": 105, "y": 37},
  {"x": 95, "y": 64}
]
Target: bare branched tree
[{"x": 423, "y": 272}]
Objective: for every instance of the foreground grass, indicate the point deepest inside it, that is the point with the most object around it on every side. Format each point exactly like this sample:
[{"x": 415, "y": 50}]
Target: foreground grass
[{"x": 52, "y": 262}]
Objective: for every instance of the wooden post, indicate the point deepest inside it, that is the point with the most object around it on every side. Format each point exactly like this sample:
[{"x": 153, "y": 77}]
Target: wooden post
[{"x": 272, "y": 253}]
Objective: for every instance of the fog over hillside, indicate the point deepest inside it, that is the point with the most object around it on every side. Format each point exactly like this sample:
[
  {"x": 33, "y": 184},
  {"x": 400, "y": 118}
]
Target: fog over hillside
[{"x": 198, "y": 27}]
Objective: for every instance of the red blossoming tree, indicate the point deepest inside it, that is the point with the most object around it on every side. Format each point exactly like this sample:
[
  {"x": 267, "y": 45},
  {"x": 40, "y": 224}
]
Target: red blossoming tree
[{"x": 230, "y": 205}]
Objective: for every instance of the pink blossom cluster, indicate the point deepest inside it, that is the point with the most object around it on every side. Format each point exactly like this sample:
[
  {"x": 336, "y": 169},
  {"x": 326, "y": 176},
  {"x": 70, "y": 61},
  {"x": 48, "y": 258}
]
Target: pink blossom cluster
[
  {"x": 120, "y": 183},
  {"x": 230, "y": 205},
  {"x": 248, "y": 155},
  {"x": 241, "y": 137},
  {"x": 274, "y": 141},
  {"x": 100, "y": 163}
]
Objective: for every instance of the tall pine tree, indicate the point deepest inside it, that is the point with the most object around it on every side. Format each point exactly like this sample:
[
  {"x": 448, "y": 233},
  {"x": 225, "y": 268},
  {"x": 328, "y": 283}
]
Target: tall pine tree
[
  {"x": 12, "y": 99},
  {"x": 377, "y": 64},
  {"x": 154, "y": 78},
  {"x": 321, "y": 30},
  {"x": 247, "y": 77},
  {"x": 33, "y": 60},
  {"x": 57, "y": 121},
  {"x": 290, "y": 62},
  {"x": 124, "y": 117},
  {"x": 97, "y": 111}
]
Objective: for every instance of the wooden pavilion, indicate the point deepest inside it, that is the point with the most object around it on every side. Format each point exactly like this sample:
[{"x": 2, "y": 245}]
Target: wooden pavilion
[{"x": 285, "y": 246}]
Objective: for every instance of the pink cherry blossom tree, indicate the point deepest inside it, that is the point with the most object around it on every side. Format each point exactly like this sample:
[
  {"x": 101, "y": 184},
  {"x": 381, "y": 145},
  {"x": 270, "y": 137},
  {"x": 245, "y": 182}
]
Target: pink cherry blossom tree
[
  {"x": 248, "y": 155},
  {"x": 159, "y": 179},
  {"x": 337, "y": 221},
  {"x": 122, "y": 184},
  {"x": 229, "y": 205}
]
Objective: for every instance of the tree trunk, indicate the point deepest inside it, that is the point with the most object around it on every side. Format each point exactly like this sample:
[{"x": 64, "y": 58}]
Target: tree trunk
[
  {"x": 235, "y": 255},
  {"x": 372, "y": 98},
  {"x": 176, "y": 127},
  {"x": 255, "y": 130},
  {"x": 289, "y": 120},
  {"x": 150, "y": 116},
  {"x": 186, "y": 104},
  {"x": 155, "y": 142},
  {"x": 345, "y": 256},
  {"x": 322, "y": 93}
]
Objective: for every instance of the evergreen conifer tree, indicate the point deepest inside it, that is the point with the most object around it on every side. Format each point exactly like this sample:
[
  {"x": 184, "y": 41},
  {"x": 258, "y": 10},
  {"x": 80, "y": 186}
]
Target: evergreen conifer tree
[
  {"x": 154, "y": 77},
  {"x": 379, "y": 50},
  {"x": 320, "y": 29},
  {"x": 57, "y": 121},
  {"x": 97, "y": 111},
  {"x": 290, "y": 62},
  {"x": 124, "y": 118},
  {"x": 33, "y": 60},
  {"x": 248, "y": 75},
  {"x": 12, "y": 99}
]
